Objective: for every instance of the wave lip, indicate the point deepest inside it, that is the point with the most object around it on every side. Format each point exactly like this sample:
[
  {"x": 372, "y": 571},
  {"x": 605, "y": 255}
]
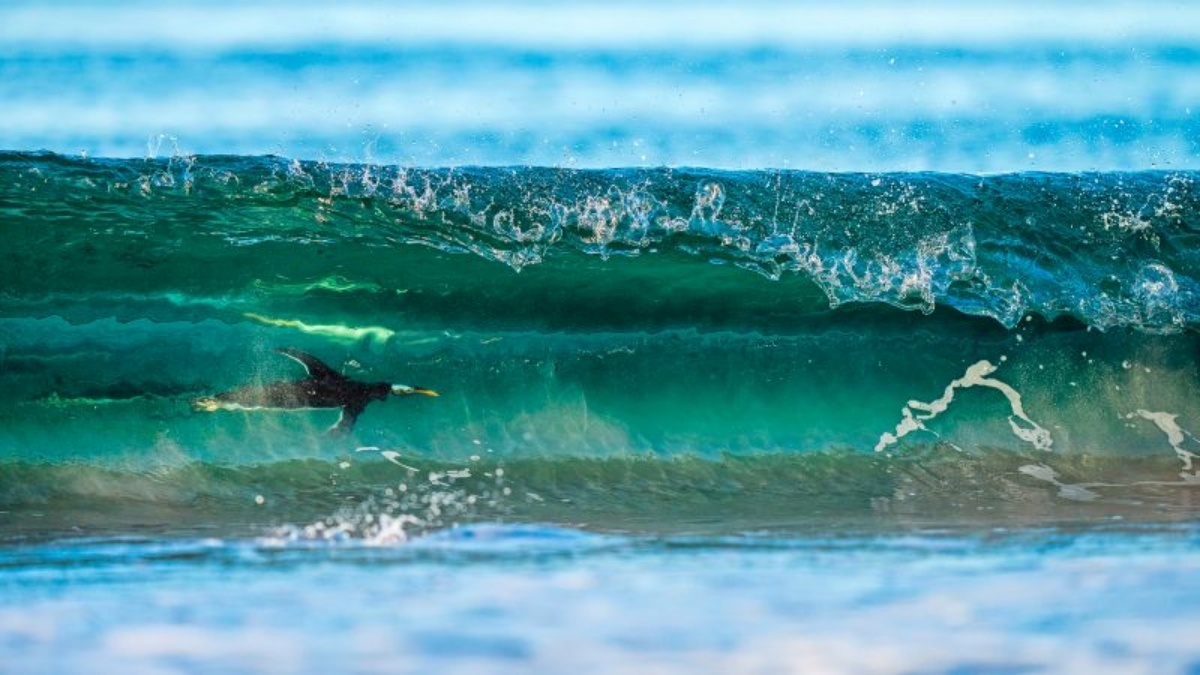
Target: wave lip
[{"x": 1110, "y": 250}]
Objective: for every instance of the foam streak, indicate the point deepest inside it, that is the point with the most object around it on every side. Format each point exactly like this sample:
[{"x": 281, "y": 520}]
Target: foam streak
[
  {"x": 916, "y": 413},
  {"x": 1176, "y": 436}
]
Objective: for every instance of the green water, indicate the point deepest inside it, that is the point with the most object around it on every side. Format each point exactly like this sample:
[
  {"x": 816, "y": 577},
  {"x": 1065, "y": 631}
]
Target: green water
[{"x": 641, "y": 349}]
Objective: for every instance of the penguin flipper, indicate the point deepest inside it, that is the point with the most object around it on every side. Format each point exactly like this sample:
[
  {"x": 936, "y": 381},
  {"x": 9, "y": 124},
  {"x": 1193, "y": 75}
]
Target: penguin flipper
[
  {"x": 345, "y": 423},
  {"x": 316, "y": 367}
]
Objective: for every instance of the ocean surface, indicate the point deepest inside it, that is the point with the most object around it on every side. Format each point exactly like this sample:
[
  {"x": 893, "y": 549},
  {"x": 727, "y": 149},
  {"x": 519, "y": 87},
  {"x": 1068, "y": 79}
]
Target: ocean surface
[{"x": 768, "y": 337}]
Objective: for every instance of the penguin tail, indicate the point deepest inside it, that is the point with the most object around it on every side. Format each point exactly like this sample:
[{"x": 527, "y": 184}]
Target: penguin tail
[{"x": 206, "y": 404}]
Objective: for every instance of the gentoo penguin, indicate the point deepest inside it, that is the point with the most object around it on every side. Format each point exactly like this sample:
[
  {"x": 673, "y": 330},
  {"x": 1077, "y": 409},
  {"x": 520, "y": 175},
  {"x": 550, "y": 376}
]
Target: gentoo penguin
[{"x": 323, "y": 388}]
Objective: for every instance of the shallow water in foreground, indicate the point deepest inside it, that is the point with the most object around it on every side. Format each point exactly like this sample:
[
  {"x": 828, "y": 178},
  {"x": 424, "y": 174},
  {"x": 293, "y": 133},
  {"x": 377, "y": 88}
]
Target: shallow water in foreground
[{"x": 517, "y": 598}]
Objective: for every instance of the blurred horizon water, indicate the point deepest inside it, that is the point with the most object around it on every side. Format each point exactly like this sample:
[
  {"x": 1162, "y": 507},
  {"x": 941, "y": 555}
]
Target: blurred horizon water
[{"x": 869, "y": 86}]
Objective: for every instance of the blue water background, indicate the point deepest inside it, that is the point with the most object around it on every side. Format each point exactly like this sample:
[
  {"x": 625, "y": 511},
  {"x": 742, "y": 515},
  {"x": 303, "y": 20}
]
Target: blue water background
[{"x": 973, "y": 87}]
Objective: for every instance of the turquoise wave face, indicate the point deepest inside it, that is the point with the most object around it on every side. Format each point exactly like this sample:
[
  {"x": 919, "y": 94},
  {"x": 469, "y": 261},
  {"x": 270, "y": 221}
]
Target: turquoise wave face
[{"x": 610, "y": 342}]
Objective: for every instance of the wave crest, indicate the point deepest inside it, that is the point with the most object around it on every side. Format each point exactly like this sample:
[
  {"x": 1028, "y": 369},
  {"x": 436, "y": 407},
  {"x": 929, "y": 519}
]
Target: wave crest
[{"x": 1110, "y": 250}]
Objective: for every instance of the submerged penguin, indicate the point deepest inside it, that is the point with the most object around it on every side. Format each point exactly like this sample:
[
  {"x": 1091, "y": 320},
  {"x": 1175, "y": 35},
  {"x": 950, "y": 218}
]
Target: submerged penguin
[{"x": 323, "y": 388}]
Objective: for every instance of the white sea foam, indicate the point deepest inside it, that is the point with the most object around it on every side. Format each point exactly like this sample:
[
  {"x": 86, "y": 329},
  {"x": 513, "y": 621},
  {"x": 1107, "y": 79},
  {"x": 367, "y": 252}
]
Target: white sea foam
[
  {"x": 1074, "y": 492},
  {"x": 392, "y": 456},
  {"x": 1176, "y": 437},
  {"x": 916, "y": 413}
]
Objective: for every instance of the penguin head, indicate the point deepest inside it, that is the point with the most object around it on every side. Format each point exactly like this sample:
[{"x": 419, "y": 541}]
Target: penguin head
[{"x": 405, "y": 390}]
